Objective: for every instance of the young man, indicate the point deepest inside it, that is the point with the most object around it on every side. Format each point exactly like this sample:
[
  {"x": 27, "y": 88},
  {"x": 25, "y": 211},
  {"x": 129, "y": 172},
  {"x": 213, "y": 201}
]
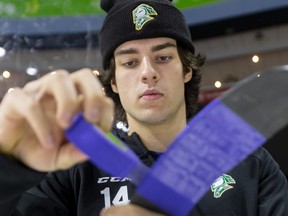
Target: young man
[{"x": 152, "y": 75}]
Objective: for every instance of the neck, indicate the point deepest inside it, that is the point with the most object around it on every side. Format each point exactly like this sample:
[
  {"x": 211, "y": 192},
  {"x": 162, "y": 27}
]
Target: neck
[{"x": 157, "y": 137}]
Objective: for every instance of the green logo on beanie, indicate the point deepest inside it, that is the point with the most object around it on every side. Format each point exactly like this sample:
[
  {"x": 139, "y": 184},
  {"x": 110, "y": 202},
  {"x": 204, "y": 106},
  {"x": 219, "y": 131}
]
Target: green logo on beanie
[{"x": 142, "y": 14}]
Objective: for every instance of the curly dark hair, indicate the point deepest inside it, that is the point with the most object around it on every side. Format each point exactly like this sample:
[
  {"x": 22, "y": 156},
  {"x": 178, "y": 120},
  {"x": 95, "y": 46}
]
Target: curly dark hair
[{"x": 188, "y": 59}]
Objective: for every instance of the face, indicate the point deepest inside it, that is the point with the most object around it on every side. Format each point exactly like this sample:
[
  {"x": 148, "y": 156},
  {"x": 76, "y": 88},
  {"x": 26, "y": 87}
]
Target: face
[{"x": 150, "y": 81}]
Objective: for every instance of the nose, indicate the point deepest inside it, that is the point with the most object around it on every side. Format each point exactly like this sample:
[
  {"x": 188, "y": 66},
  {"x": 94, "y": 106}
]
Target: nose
[{"x": 149, "y": 73}]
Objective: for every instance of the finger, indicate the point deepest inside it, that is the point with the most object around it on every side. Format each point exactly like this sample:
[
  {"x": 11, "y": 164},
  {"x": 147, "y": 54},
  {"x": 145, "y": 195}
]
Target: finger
[
  {"x": 107, "y": 115},
  {"x": 45, "y": 160},
  {"x": 18, "y": 109},
  {"x": 59, "y": 85},
  {"x": 128, "y": 210},
  {"x": 91, "y": 89}
]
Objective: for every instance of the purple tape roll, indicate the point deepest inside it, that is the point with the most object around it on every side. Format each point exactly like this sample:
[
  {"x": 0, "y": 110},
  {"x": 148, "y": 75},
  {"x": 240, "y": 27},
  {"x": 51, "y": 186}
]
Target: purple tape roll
[{"x": 105, "y": 151}]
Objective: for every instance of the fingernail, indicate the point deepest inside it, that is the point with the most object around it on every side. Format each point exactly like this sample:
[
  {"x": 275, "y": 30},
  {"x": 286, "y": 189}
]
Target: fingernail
[
  {"x": 94, "y": 114},
  {"x": 50, "y": 141},
  {"x": 66, "y": 119},
  {"x": 102, "y": 212}
]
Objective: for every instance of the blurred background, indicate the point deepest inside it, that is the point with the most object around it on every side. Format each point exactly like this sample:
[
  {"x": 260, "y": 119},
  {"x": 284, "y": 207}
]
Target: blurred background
[{"x": 239, "y": 38}]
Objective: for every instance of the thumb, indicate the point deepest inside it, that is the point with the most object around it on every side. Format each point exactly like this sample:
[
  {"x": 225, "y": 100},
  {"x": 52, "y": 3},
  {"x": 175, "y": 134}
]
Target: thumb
[{"x": 68, "y": 156}]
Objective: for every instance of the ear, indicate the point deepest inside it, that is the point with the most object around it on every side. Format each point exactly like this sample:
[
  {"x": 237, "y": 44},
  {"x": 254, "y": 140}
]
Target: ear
[
  {"x": 188, "y": 75},
  {"x": 114, "y": 86}
]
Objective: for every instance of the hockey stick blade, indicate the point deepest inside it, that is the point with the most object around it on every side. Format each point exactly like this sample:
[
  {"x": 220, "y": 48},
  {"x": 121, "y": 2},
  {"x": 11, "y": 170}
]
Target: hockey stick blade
[{"x": 219, "y": 137}]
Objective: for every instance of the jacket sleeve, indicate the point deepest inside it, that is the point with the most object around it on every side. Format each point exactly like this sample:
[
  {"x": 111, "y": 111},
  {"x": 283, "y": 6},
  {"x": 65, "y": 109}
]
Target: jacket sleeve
[
  {"x": 273, "y": 191},
  {"x": 15, "y": 178},
  {"x": 52, "y": 197}
]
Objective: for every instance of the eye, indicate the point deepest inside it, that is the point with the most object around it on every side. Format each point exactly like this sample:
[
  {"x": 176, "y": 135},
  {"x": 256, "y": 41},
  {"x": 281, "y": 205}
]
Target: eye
[
  {"x": 164, "y": 58},
  {"x": 129, "y": 64}
]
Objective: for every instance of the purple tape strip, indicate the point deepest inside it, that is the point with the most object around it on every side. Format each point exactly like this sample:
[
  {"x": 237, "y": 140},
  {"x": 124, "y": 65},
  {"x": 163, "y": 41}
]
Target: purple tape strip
[
  {"x": 110, "y": 155},
  {"x": 213, "y": 143}
]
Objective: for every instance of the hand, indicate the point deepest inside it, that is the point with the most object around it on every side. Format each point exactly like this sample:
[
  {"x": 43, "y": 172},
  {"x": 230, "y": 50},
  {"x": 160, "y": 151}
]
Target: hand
[
  {"x": 128, "y": 210},
  {"x": 33, "y": 118}
]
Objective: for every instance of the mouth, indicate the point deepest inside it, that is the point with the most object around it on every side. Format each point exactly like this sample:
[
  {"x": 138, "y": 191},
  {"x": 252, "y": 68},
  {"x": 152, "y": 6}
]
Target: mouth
[{"x": 151, "y": 95}]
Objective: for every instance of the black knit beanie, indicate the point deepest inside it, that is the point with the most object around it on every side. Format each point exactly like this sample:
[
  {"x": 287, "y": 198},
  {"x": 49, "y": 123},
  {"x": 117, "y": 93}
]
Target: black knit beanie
[{"x": 139, "y": 19}]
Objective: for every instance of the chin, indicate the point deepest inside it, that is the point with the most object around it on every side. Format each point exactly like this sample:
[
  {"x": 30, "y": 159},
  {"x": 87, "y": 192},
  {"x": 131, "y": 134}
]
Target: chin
[{"x": 152, "y": 119}]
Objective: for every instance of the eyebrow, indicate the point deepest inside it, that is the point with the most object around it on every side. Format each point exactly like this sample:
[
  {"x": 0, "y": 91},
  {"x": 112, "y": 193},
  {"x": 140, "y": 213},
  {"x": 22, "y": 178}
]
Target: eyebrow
[
  {"x": 162, "y": 46},
  {"x": 126, "y": 52},
  {"x": 153, "y": 49}
]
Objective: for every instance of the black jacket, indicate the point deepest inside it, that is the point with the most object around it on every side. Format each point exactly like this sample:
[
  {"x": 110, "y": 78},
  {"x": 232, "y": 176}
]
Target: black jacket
[{"x": 258, "y": 188}]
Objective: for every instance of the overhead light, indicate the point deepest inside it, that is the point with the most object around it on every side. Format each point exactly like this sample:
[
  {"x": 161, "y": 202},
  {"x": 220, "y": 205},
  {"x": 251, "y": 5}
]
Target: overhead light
[
  {"x": 32, "y": 71},
  {"x": 255, "y": 58},
  {"x": 6, "y": 74},
  {"x": 218, "y": 84},
  {"x": 2, "y": 52}
]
